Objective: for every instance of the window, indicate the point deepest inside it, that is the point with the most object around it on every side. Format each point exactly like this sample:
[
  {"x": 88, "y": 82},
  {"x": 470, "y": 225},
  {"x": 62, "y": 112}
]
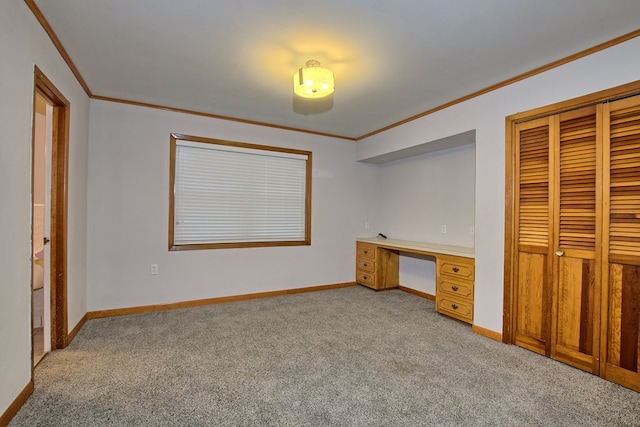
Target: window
[{"x": 226, "y": 194}]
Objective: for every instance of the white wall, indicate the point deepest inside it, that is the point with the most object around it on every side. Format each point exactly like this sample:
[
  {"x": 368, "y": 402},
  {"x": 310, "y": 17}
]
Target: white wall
[
  {"x": 486, "y": 114},
  {"x": 419, "y": 194},
  {"x": 24, "y": 44},
  {"x": 129, "y": 205}
]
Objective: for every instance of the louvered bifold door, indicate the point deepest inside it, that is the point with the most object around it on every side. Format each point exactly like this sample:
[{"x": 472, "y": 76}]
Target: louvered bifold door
[
  {"x": 577, "y": 239},
  {"x": 621, "y": 268},
  {"x": 532, "y": 219}
]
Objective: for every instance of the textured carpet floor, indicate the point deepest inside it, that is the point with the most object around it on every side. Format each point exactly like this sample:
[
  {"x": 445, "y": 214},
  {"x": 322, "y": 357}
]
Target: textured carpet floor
[{"x": 344, "y": 357}]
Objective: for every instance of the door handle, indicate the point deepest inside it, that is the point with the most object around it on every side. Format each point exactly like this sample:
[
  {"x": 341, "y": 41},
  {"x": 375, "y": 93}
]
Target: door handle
[
  {"x": 45, "y": 240},
  {"x": 559, "y": 252}
]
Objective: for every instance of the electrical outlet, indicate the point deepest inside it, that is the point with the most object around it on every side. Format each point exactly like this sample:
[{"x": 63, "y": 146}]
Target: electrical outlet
[
  {"x": 443, "y": 229},
  {"x": 154, "y": 269}
]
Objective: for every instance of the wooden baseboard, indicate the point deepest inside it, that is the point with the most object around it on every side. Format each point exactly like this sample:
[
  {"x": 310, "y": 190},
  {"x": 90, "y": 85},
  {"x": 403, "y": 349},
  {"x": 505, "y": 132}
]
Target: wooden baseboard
[
  {"x": 497, "y": 336},
  {"x": 196, "y": 303},
  {"x": 75, "y": 330},
  {"x": 419, "y": 293},
  {"x": 15, "y": 406}
]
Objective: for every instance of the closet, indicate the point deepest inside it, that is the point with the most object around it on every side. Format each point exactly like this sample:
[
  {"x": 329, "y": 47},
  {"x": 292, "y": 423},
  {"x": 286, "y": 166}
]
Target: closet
[{"x": 572, "y": 270}]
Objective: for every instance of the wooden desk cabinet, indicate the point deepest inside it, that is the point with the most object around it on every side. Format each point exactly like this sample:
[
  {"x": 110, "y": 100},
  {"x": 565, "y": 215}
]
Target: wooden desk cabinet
[
  {"x": 377, "y": 264},
  {"x": 454, "y": 287},
  {"x": 376, "y": 267}
]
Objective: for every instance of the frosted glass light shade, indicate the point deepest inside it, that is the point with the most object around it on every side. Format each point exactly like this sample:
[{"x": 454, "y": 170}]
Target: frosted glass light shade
[{"x": 313, "y": 81}]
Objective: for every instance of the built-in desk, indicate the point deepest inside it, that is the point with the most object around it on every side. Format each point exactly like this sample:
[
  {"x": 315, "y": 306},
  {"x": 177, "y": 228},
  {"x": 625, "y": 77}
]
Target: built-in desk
[{"x": 377, "y": 263}]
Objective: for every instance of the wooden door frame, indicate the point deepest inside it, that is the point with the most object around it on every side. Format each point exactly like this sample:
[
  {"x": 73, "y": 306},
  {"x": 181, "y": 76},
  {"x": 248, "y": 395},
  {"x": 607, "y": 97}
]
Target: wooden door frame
[
  {"x": 59, "y": 205},
  {"x": 510, "y": 245}
]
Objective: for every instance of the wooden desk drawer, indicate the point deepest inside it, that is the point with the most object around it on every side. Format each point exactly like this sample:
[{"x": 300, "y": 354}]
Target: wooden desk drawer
[
  {"x": 366, "y": 264},
  {"x": 365, "y": 278},
  {"x": 461, "y": 288},
  {"x": 457, "y": 268},
  {"x": 455, "y": 307},
  {"x": 365, "y": 250}
]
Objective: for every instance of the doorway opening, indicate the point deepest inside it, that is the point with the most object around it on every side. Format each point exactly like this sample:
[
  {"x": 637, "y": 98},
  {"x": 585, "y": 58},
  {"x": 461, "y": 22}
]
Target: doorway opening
[
  {"x": 50, "y": 151},
  {"x": 41, "y": 214}
]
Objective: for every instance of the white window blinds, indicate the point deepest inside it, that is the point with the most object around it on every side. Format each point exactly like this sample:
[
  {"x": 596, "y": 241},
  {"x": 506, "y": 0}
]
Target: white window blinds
[{"x": 227, "y": 194}]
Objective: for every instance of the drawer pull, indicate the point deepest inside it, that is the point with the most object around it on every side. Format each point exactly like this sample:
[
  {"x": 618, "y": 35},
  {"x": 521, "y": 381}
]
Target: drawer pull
[
  {"x": 455, "y": 269},
  {"x": 455, "y": 288},
  {"x": 454, "y": 306},
  {"x": 365, "y": 264},
  {"x": 366, "y": 252},
  {"x": 364, "y": 277}
]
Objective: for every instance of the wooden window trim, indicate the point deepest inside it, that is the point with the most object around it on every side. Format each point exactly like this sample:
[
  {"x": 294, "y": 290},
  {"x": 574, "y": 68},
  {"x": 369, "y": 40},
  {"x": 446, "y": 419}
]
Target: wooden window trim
[{"x": 172, "y": 166}]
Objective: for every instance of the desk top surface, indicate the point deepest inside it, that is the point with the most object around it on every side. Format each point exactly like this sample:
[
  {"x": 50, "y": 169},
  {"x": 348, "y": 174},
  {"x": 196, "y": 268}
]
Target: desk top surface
[{"x": 420, "y": 247}]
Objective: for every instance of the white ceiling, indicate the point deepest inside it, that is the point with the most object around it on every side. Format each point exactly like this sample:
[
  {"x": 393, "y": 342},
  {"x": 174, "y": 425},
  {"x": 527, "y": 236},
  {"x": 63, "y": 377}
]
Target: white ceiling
[{"x": 392, "y": 59}]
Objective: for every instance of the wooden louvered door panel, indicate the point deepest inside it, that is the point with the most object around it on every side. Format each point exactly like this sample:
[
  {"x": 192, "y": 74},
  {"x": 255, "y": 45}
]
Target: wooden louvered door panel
[
  {"x": 532, "y": 213},
  {"x": 577, "y": 186},
  {"x": 621, "y": 267}
]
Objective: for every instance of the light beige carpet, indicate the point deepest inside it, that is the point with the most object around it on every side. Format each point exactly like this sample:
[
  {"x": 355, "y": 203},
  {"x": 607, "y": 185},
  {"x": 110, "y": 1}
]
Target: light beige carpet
[{"x": 345, "y": 357}]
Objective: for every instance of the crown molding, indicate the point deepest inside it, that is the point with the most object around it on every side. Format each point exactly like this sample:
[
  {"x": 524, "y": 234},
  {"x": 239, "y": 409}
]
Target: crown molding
[
  {"x": 602, "y": 46},
  {"x": 56, "y": 41},
  {"x": 523, "y": 76},
  {"x": 216, "y": 116}
]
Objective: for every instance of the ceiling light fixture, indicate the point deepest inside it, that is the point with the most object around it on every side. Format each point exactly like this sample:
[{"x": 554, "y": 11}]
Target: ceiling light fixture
[{"x": 313, "y": 81}]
